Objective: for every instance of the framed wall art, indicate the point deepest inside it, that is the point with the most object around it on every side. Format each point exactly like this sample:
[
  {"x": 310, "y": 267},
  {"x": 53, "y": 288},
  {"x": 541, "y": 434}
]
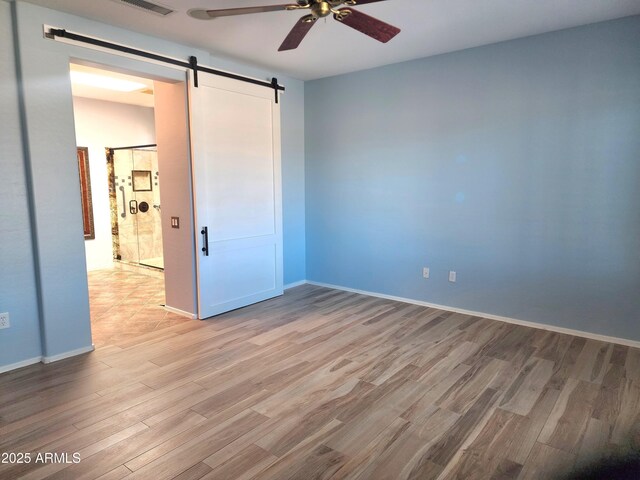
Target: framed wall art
[{"x": 85, "y": 193}]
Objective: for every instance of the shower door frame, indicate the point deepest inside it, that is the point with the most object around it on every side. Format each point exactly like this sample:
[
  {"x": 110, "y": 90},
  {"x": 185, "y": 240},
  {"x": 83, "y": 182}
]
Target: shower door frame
[{"x": 113, "y": 204}]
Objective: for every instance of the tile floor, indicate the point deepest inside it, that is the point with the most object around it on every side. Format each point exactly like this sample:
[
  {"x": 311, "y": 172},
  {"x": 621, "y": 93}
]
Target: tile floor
[{"x": 126, "y": 304}]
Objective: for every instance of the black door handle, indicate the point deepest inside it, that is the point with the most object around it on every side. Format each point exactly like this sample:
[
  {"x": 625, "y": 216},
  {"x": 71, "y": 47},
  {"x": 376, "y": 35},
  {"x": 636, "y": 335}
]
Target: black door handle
[
  {"x": 205, "y": 240},
  {"x": 133, "y": 207}
]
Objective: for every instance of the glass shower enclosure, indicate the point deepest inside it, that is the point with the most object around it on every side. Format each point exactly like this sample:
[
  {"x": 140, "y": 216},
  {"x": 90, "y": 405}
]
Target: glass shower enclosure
[{"x": 135, "y": 205}]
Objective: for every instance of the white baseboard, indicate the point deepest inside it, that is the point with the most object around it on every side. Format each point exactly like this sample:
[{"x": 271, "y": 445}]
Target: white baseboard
[
  {"x": 71, "y": 353},
  {"x": 23, "y": 363},
  {"x": 515, "y": 321},
  {"x": 46, "y": 359},
  {"x": 177, "y": 311},
  {"x": 294, "y": 284}
]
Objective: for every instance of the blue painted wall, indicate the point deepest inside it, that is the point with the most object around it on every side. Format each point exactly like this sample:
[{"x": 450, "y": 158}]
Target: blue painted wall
[
  {"x": 17, "y": 273},
  {"x": 516, "y": 164},
  {"x": 293, "y": 182}
]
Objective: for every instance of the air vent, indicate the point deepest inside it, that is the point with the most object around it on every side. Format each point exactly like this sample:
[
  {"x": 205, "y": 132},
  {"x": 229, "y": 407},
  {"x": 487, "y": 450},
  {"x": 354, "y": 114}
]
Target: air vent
[{"x": 147, "y": 6}]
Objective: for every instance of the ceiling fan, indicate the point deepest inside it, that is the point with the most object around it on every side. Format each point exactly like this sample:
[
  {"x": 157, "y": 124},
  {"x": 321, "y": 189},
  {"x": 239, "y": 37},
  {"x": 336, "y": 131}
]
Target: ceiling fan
[{"x": 377, "y": 29}]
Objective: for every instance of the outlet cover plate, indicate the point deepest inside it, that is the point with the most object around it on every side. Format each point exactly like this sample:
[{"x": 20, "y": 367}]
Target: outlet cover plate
[
  {"x": 4, "y": 320},
  {"x": 425, "y": 272},
  {"x": 452, "y": 276}
]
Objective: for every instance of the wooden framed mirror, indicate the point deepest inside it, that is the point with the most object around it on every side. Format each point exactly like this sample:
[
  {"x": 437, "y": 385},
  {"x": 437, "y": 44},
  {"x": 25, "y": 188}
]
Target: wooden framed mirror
[{"x": 85, "y": 193}]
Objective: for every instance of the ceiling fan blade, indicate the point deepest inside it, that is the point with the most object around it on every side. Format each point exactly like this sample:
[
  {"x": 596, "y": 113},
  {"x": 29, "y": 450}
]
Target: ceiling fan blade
[
  {"x": 203, "y": 14},
  {"x": 297, "y": 33},
  {"x": 383, "y": 32},
  {"x": 364, "y": 2}
]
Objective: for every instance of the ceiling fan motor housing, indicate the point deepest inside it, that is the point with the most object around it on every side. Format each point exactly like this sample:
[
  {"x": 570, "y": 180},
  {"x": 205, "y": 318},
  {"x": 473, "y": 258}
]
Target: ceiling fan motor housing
[{"x": 321, "y": 9}]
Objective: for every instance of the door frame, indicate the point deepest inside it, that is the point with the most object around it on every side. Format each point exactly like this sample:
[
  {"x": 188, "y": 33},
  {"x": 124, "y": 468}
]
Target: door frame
[
  {"x": 45, "y": 110},
  {"x": 168, "y": 78},
  {"x": 169, "y": 180}
]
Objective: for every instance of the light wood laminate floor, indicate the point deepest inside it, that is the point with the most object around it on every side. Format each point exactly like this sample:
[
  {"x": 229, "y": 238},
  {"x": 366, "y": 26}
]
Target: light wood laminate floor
[{"x": 323, "y": 384}]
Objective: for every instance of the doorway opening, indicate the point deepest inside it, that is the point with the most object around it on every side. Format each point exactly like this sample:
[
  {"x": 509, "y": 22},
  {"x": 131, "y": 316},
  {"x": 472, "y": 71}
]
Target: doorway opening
[{"x": 121, "y": 198}]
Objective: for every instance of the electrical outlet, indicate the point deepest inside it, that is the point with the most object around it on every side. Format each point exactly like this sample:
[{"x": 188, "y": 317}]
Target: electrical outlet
[
  {"x": 452, "y": 276},
  {"x": 425, "y": 272},
  {"x": 4, "y": 320}
]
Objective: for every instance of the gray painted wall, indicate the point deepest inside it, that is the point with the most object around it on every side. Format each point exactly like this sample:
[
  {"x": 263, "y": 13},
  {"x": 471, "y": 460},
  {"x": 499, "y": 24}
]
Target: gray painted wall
[
  {"x": 17, "y": 275},
  {"x": 516, "y": 165},
  {"x": 57, "y": 217}
]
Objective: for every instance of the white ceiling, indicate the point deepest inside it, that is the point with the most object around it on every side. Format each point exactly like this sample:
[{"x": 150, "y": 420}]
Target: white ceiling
[
  {"x": 429, "y": 27},
  {"x": 142, "y": 97}
]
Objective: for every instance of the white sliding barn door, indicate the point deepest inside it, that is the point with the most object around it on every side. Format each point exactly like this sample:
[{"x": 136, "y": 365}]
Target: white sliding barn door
[{"x": 235, "y": 134}]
